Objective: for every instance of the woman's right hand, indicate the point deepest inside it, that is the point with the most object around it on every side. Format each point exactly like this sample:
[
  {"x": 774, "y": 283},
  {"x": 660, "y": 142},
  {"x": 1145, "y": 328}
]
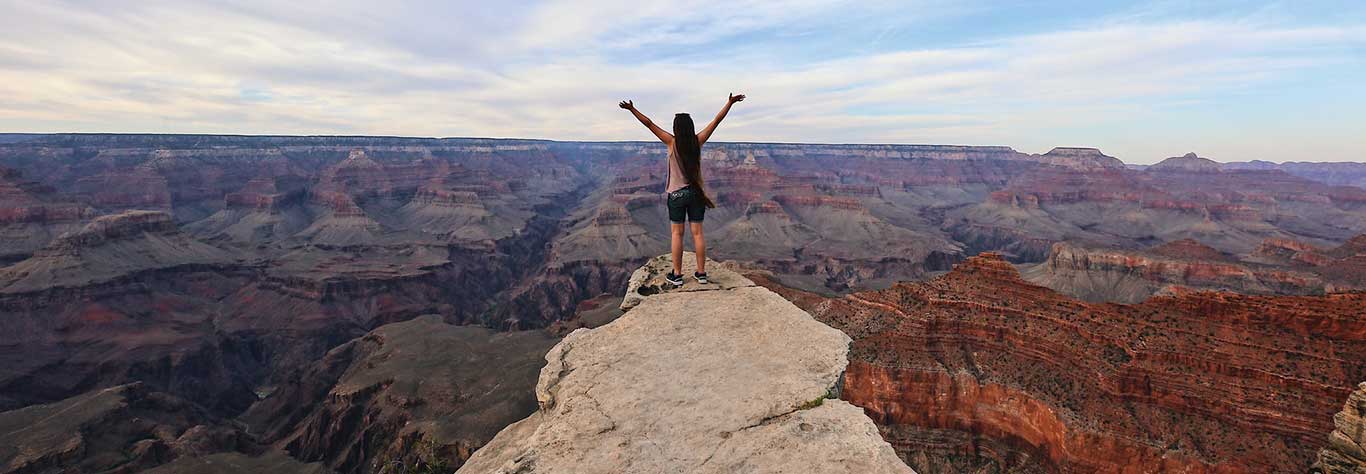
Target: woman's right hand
[
  {"x": 626, "y": 104},
  {"x": 736, "y": 98}
]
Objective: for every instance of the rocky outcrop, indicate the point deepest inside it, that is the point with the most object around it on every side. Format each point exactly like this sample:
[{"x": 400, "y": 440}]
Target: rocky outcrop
[
  {"x": 1082, "y": 158},
  {"x": 1346, "y": 450},
  {"x": 1290, "y": 252},
  {"x": 1188, "y": 162},
  {"x": 979, "y": 370},
  {"x": 724, "y": 377}
]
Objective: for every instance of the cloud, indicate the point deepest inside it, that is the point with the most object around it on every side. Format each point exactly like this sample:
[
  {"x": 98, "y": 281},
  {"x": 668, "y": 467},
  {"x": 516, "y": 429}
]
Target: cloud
[{"x": 556, "y": 70}]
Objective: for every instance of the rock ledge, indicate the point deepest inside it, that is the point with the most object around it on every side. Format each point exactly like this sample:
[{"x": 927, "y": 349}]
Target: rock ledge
[
  {"x": 1346, "y": 450},
  {"x": 726, "y": 377}
]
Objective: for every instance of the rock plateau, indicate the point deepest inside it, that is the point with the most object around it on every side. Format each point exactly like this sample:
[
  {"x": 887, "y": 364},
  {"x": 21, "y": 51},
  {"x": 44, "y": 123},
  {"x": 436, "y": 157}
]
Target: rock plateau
[{"x": 725, "y": 377}]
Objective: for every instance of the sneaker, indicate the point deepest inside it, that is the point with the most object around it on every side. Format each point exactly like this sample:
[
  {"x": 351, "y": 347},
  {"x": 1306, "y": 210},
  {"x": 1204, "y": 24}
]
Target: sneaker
[
  {"x": 675, "y": 280},
  {"x": 701, "y": 277}
]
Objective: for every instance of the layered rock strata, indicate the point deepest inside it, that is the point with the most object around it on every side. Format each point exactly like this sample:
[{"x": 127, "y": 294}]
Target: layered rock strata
[
  {"x": 981, "y": 370},
  {"x": 107, "y": 248},
  {"x": 1131, "y": 276},
  {"x": 724, "y": 377}
]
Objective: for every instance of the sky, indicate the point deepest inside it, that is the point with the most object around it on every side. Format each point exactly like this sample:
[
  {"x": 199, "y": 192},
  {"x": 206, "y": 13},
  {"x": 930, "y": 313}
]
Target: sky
[{"x": 1142, "y": 81}]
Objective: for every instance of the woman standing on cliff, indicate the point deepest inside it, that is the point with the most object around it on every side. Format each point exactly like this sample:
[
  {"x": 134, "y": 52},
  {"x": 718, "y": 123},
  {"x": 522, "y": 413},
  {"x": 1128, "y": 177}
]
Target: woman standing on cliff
[{"x": 687, "y": 198}]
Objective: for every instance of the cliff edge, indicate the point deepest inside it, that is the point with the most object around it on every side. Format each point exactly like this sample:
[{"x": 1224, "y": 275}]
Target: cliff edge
[
  {"x": 1346, "y": 450},
  {"x": 725, "y": 377}
]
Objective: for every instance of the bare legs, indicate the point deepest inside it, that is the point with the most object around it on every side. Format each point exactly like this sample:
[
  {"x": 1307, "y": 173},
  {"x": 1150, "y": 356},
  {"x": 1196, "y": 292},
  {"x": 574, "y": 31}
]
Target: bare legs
[
  {"x": 677, "y": 246},
  {"x": 699, "y": 245}
]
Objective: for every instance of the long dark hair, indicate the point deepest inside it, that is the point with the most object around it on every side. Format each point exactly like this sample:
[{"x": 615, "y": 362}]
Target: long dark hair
[{"x": 690, "y": 154}]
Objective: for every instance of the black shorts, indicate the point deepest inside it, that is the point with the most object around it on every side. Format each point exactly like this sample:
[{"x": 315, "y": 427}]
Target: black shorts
[{"x": 686, "y": 202}]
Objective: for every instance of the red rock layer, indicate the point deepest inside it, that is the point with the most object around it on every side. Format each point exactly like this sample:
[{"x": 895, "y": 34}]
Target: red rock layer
[
  {"x": 1202, "y": 382},
  {"x": 24, "y": 202},
  {"x": 1187, "y": 269},
  {"x": 1292, "y": 251},
  {"x": 1343, "y": 267}
]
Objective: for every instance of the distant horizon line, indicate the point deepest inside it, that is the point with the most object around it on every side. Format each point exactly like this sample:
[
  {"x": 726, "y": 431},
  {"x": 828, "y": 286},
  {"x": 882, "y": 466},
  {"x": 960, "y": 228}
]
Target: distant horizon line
[{"x": 413, "y": 137}]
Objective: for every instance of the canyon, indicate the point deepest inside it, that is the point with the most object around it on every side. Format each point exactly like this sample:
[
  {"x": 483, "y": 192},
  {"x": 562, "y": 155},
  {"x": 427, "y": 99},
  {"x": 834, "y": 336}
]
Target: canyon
[
  {"x": 1277, "y": 266},
  {"x": 275, "y": 287},
  {"x": 980, "y": 370}
]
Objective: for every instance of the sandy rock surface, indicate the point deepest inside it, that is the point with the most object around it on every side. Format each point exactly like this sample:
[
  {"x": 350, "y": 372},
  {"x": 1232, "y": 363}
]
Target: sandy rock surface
[{"x": 649, "y": 279}]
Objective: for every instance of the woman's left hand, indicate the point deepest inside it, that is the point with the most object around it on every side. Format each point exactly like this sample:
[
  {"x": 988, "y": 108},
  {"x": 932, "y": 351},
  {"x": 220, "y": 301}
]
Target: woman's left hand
[{"x": 626, "y": 104}]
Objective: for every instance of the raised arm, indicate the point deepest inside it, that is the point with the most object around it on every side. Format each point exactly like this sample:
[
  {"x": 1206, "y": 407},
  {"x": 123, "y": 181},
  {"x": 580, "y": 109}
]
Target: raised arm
[
  {"x": 711, "y": 127},
  {"x": 659, "y": 132}
]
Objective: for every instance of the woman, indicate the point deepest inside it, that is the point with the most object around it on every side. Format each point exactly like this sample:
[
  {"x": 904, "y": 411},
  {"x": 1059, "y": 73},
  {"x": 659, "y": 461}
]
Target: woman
[{"x": 687, "y": 198}]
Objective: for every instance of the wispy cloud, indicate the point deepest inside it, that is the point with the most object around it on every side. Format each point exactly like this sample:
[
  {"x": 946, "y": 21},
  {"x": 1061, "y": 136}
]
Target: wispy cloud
[{"x": 816, "y": 70}]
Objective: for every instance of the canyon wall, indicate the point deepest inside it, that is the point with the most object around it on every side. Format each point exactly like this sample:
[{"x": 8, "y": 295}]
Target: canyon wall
[
  {"x": 1276, "y": 267},
  {"x": 220, "y": 270},
  {"x": 404, "y": 392},
  {"x": 979, "y": 369}
]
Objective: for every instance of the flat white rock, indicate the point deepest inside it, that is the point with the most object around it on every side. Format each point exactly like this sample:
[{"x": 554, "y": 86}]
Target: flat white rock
[{"x": 719, "y": 378}]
